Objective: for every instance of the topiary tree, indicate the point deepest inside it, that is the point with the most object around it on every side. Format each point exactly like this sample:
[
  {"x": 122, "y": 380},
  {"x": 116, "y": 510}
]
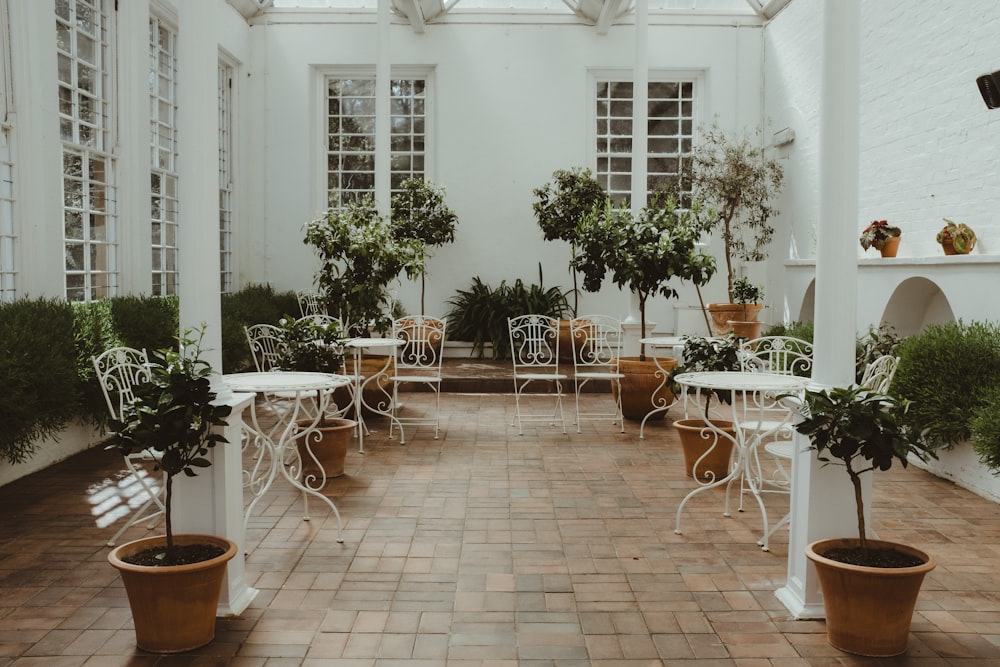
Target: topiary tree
[
  {"x": 561, "y": 204},
  {"x": 420, "y": 214},
  {"x": 643, "y": 252}
]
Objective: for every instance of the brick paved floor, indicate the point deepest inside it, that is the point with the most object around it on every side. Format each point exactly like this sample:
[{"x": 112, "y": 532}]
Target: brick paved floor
[{"x": 492, "y": 549}]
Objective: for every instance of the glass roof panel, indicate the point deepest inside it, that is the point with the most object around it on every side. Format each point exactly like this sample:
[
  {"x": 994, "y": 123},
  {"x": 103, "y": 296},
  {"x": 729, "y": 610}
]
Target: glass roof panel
[{"x": 741, "y": 7}]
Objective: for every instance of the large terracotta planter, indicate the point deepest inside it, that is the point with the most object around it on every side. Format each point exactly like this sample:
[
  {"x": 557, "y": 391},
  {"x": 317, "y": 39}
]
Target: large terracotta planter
[
  {"x": 723, "y": 313},
  {"x": 745, "y": 330},
  {"x": 567, "y": 346},
  {"x": 325, "y": 447},
  {"x": 705, "y": 451},
  {"x": 173, "y": 607},
  {"x": 868, "y": 609},
  {"x": 641, "y": 387}
]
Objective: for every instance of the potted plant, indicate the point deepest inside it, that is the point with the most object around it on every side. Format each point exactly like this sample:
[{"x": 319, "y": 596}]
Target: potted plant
[
  {"x": 360, "y": 255},
  {"x": 559, "y": 207},
  {"x": 750, "y": 298},
  {"x": 735, "y": 180},
  {"x": 173, "y": 582},
  {"x": 956, "y": 238},
  {"x": 420, "y": 213},
  {"x": 643, "y": 252},
  {"x": 869, "y": 586},
  {"x": 882, "y": 236},
  {"x": 704, "y": 451},
  {"x": 316, "y": 345}
]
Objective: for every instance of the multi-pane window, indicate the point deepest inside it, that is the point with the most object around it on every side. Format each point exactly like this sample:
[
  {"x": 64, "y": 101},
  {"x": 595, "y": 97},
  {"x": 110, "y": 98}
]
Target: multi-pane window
[
  {"x": 670, "y": 133},
  {"x": 163, "y": 172},
  {"x": 8, "y": 236},
  {"x": 90, "y": 236},
  {"x": 225, "y": 177},
  {"x": 351, "y": 135}
]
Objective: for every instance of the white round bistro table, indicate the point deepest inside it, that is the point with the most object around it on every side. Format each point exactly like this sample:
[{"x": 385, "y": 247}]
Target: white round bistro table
[
  {"x": 742, "y": 388},
  {"x": 285, "y": 392}
]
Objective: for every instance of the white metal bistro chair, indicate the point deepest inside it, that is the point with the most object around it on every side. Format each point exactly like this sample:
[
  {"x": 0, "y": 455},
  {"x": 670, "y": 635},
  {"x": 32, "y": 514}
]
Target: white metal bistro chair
[
  {"x": 534, "y": 351},
  {"x": 119, "y": 370},
  {"x": 310, "y": 303},
  {"x": 418, "y": 361},
  {"x": 596, "y": 342},
  {"x": 879, "y": 373},
  {"x": 265, "y": 346}
]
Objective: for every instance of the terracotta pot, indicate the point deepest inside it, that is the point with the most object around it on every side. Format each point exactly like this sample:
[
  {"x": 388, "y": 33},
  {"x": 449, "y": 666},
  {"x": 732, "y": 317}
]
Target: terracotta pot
[
  {"x": 948, "y": 246},
  {"x": 378, "y": 391},
  {"x": 640, "y": 387},
  {"x": 746, "y": 330},
  {"x": 868, "y": 609},
  {"x": 327, "y": 449},
  {"x": 724, "y": 313},
  {"x": 173, "y": 607},
  {"x": 891, "y": 247},
  {"x": 697, "y": 442}
]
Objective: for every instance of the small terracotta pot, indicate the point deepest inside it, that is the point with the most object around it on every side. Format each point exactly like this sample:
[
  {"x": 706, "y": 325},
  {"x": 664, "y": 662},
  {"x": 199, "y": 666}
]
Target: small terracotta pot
[{"x": 891, "y": 247}]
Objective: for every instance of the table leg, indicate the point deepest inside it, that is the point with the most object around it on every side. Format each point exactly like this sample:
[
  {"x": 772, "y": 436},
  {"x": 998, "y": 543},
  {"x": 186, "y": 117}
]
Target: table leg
[
  {"x": 659, "y": 405},
  {"x": 385, "y": 411}
]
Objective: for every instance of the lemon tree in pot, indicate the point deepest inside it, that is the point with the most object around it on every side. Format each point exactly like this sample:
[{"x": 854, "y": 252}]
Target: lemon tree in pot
[
  {"x": 870, "y": 587},
  {"x": 316, "y": 345},
  {"x": 560, "y": 205},
  {"x": 643, "y": 252},
  {"x": 173, "y": 581}
]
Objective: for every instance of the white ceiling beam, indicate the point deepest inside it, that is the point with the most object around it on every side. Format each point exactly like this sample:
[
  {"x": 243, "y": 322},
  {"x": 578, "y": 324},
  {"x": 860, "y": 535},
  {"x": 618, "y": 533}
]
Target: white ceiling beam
[{"x": 609, "y": 11}]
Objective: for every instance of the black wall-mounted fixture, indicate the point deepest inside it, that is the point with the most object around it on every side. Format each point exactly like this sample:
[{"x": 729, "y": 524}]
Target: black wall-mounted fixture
[{"x": 989, "y": 88}]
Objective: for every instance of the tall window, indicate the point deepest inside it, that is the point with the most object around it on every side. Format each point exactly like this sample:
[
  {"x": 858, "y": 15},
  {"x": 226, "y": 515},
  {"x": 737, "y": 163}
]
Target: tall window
[
  {"x": 90, "y": 236},
  {"x": 225, "y": 176},
  {"x": 671, "y": 129},
  {"x": 351, "y": 135},
  {"x": 163, "y": 174}
]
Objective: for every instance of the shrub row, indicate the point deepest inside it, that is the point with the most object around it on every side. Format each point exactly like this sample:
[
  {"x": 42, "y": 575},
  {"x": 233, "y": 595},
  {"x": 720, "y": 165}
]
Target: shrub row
[{"x": 46, "y": 347}]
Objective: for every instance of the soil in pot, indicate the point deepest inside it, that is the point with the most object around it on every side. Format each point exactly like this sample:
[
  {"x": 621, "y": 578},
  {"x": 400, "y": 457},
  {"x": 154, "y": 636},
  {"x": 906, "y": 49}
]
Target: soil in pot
[
  {"x": 641, "y": 387},
  {"x": 696, "y": 441},
  {"x": 868, "y": 609}
]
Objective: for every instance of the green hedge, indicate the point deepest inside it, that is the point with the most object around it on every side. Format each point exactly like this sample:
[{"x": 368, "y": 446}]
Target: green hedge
[{"x": 46, "y": 347}]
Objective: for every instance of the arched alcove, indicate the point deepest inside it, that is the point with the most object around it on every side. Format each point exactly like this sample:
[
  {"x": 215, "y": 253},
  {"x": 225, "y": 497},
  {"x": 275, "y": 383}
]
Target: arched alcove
[
  {"x": 915, "y": 304},
  {"x": 807, "y": 311}
]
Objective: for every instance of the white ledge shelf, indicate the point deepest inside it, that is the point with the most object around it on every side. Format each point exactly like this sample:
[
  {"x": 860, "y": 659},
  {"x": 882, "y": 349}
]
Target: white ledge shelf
[{"x": 897, "y": 262}]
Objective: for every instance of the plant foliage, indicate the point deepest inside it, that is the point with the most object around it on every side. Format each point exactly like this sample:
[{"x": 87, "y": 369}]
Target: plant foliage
[
  {"x": 360, "y": 256},
  {"x": 480, "y": 313},
  {"x": 703, "y": 355},
  {"x": 946, "y": 372},
  {"x": 310, "y": 345},
  {"x": 737, "y": 181},
  {"x": 985, "y": 429},
  {"x": 419, "y": 213},
  {"x": 643, "y": 252},
  {"x": 173, "y": 415},
  {"x": 38, "y": 372},
  {"x": 862, "y": 431}
]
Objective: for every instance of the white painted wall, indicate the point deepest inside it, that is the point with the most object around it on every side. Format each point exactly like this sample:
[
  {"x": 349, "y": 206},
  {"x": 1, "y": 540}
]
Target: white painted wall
[
  {"x": 511, "y": 103},
  {"x": 928, "y": 150}
]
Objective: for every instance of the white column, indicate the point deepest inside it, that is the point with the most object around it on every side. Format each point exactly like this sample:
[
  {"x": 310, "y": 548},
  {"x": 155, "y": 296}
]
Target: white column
[
  {"x": 640, "y": 117},
  {"x": 211, "y": 503},
  {"x": 822, "y": 502},
  {"x": 198, "y": 169},
  {"x": 383, "y": 127}
]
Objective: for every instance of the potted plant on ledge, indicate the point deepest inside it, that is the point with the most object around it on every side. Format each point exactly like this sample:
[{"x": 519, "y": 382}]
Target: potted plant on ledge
[
  {"x": 869, "y": 586},
  {"x": 173, "y": 582},
  {"x": 882, "y": 236},
  {"x": 956, "y": 238},
  {"x": 750, "y": 298}
]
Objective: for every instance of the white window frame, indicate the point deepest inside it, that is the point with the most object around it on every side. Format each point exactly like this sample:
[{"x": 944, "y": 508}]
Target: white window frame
[
  {"x": 622, "y": 190},
  {"x": 227, "y": 277},
  {"x": 9, "y": 242},
  {"x": 164, "y": 217},
  {"x": 324, "y": 75},
  {"x": 89, "y": 196}
]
